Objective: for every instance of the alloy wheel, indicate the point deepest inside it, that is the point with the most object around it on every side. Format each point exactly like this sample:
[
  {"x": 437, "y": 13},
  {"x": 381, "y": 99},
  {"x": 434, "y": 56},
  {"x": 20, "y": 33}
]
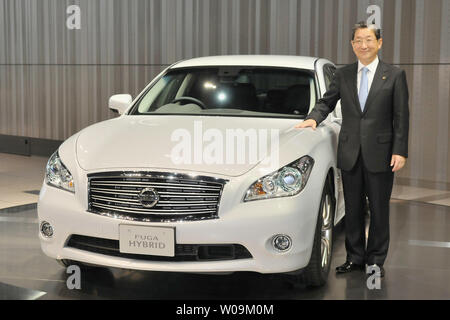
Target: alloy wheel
[{"x": 327, "y": 227}]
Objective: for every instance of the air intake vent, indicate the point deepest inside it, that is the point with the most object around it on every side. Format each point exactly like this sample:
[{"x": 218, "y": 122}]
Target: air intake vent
[{"x": 183, "y": 252}]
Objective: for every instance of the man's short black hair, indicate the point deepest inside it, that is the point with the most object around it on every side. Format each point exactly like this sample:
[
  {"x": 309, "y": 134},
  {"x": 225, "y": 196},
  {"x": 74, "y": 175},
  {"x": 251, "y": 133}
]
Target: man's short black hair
[{"x": 363, "y": 25}]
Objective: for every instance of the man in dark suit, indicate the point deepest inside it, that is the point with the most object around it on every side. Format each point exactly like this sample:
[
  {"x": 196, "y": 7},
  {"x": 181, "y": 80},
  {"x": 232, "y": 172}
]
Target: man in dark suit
[{"x": 373, "y": 143}]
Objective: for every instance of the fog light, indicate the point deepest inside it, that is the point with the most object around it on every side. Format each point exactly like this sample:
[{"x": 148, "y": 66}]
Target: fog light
[
  {"x": 46, "y": 229},
  {"x": 282, "y": 242}
]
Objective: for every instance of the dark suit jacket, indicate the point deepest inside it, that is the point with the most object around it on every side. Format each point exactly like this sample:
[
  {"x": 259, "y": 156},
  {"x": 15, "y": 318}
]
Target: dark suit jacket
[{"x": 381, "y": 130}]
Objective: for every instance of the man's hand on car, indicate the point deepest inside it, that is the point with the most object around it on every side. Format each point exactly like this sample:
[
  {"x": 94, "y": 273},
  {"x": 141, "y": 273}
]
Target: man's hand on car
[{"x": 307, "y": 123}]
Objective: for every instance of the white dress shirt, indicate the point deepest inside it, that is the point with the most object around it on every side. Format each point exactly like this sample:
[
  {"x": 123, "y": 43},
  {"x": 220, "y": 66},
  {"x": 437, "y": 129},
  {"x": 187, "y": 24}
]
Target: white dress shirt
[{"x": 370, "y": 74}]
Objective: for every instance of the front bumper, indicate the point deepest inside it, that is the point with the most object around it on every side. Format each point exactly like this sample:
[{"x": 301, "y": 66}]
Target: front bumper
[{"x": 251, "y": 224}]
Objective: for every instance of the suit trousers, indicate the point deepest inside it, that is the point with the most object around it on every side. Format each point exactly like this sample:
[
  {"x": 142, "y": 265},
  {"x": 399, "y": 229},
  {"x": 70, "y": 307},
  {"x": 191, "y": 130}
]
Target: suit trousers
[{"x": 359, "y": 183}]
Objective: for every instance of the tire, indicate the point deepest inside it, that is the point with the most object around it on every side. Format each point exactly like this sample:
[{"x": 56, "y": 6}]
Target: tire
[
  {"x": 66, "y": 263},
  {"x": 318, "y": 268}
]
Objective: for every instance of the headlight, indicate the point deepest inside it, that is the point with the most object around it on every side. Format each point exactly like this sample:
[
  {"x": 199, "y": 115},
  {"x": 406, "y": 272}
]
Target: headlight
[
  {"x": 57, "y": 174},
  {"x": 285, "y": 182}
]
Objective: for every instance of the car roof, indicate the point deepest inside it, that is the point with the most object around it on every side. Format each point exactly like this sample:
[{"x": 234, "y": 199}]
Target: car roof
[{"x": 250, "y": 60}]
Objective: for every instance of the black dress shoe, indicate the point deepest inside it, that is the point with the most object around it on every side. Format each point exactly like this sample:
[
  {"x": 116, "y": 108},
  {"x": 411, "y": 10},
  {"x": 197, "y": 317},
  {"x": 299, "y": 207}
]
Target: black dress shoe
[
  {"x": 373, "y": 268},
  {"x": 349, "y": 266}
]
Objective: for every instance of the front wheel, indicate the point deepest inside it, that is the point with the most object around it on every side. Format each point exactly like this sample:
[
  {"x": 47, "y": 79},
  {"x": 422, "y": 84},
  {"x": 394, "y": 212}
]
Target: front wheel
[
  {"x": 84, "y": 266},
  {"x": 316, "y": 273}
]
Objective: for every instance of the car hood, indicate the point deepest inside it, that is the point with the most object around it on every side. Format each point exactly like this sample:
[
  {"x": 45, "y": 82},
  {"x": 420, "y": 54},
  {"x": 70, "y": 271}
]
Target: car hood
[{"x": 149, "y": 142}]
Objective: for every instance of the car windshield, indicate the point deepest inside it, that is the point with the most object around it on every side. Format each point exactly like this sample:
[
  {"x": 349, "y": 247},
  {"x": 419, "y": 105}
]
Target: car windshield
[{"x": 231, "y": 91}]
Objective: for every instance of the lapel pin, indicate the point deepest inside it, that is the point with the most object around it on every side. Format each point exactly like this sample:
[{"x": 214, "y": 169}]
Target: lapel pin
[{"x": 384, "y": 78}]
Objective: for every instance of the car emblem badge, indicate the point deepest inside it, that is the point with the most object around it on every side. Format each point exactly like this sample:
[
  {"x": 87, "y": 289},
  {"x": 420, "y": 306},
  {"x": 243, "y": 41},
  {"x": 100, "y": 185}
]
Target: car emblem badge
[{"x": 148, "y": 197}]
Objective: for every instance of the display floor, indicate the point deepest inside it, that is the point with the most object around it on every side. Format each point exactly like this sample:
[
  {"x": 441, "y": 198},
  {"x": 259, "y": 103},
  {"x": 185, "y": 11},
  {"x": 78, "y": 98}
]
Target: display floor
[{"x": 417, "y": 267}]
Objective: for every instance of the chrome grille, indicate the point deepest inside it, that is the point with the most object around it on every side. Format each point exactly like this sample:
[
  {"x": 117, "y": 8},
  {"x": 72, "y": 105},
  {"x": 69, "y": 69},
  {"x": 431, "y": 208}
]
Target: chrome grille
[{"x": 181, "y": 197}]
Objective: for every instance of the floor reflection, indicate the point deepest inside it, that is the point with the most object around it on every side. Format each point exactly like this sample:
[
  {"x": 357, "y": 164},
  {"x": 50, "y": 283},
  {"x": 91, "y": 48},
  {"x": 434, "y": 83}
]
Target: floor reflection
[{"x": 415, "y": 269}]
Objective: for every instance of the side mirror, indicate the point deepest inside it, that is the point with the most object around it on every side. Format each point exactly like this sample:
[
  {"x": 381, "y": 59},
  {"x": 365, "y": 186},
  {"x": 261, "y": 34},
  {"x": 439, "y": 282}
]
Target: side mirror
[{"x": 120, "y": 102}]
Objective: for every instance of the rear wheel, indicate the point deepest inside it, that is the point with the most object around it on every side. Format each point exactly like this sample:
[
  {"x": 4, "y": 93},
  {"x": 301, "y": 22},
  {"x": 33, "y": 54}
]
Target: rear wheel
[{"x": 316, "y": 273}]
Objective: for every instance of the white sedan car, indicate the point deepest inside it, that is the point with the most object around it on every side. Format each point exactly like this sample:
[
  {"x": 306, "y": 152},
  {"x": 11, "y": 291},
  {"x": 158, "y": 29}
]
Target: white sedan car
[{"x": 203, "y": 172}]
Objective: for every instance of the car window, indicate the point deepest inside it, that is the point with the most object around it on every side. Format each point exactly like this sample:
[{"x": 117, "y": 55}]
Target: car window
[
  {"x": 162, "y": 91},
  {"x": 231, "y": 90}
]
